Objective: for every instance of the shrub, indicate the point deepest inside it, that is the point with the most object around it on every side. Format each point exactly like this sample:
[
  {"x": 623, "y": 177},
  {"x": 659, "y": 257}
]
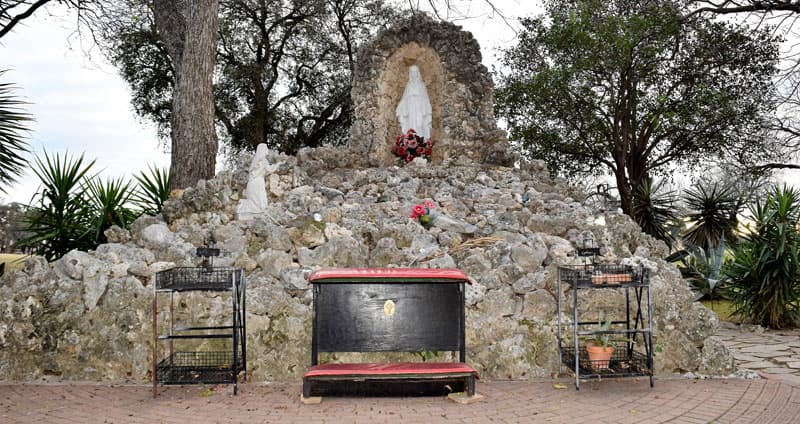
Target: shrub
[
  {"x": 764, "y": 272},
  {"x": 110, "y": 201},
  {"x": 60, "y": 218},
  {"x": 701, "y": 271},
  {"x": 654, "y": 209},
  {"x": 72, "y": 208},
  {"x": 153, "y": 190}
]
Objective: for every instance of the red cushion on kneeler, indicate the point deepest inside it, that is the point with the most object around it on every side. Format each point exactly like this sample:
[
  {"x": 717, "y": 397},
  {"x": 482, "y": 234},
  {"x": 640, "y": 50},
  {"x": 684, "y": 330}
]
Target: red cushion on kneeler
[{"x": 395, "y": 368}]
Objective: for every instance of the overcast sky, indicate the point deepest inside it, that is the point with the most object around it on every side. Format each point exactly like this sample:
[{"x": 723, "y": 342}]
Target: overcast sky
[{"x": 81, "y": 105}]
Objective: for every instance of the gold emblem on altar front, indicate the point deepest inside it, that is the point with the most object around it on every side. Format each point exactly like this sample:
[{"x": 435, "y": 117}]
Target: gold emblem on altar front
[{"x": 388, "y": 308}]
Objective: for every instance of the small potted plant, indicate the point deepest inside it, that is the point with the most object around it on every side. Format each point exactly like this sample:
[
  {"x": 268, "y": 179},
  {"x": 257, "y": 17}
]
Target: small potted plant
[{"x": 600, "y": 348}]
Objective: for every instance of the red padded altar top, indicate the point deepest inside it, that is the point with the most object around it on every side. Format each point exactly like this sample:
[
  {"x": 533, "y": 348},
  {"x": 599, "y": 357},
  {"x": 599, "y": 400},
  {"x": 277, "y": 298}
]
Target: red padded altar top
[
  {"x": 396, "y": 368},
  {"x": 388, "y": 275}
]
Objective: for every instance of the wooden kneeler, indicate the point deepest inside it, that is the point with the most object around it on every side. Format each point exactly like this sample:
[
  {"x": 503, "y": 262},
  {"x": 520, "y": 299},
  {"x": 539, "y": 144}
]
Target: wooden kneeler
[{"x": 388, "y": 310}]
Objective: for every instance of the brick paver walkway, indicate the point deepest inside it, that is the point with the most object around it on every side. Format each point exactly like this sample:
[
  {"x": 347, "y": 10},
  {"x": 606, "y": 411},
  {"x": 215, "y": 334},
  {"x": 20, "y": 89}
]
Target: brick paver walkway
[{"x": 610, "y": 401}]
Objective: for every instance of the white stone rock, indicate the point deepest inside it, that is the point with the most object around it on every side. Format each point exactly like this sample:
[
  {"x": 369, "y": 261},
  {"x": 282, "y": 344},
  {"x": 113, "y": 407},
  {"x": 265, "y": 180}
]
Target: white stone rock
[
  {"x": 333, "y": 230},
  {"x": 93, "y": 289},
  {"x": 274, "y": 261}
]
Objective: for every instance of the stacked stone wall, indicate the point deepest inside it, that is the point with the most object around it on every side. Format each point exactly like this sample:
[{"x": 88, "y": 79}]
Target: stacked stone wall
[{"x": 87, "y": 315}]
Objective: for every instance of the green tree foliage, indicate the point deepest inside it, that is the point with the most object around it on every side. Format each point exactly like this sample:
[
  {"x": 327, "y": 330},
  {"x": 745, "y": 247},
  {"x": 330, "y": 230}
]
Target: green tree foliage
[
  {"x": 764, "y": 274},
  {"x": 11, "y": 230},
  {"x": 283, "y": 67},
  {"x": 632, "y": 88},
  {"x": 12, "y": 142}
]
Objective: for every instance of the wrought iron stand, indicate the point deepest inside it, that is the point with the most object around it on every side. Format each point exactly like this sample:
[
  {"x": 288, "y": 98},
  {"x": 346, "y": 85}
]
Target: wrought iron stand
[
  {"x": 635, "y": 358},
  {"x": 190, "y": 367}
]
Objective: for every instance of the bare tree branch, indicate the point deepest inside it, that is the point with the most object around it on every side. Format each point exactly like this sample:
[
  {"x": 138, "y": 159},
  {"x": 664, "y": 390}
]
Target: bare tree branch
[
  {"x": 8, "y": 21},
  {"x": 730, "y": 7}
]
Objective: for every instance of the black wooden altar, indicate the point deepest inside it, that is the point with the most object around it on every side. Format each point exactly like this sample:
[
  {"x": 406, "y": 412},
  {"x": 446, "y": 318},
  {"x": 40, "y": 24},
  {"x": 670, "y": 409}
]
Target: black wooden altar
[{"x": 388, "y": 310}]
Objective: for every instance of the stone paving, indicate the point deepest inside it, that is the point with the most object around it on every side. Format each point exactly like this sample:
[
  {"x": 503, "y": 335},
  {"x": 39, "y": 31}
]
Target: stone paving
[
  {"x": 673, "y": 400},
  {"x": 773, "y": 354}
]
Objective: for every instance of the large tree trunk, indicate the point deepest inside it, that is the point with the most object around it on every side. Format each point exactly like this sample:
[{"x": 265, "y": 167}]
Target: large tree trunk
[{"x": 189, "y": 32}]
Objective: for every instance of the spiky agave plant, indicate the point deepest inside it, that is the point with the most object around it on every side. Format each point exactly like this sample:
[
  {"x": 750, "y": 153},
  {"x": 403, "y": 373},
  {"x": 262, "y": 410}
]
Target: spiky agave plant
[
  {"x": 654, "y": 209},
  {"x": 713, "y": 215},
  {"x": 152, "y": 190},
  {"x": 111, "y": 200},
  {"x": 60, "y": 216}
]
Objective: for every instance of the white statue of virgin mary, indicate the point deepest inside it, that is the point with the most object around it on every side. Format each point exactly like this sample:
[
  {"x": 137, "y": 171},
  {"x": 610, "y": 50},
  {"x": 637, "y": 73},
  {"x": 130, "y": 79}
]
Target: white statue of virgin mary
[{"x": 414, "y": 110}]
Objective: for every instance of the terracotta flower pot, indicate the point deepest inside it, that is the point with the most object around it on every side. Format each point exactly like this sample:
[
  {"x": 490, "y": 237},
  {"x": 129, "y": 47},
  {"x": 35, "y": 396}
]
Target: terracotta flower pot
[{"x": 599, "y": 356}]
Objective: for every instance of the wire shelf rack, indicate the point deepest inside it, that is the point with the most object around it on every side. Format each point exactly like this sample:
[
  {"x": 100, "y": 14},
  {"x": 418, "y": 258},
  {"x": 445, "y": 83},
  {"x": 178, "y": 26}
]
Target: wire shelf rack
[
  {"x": 199, "y": 367},
  {"x": 196, "y": 278},
  {"x": 601, "y": 275},
  {"x": 623, "y": 363}
]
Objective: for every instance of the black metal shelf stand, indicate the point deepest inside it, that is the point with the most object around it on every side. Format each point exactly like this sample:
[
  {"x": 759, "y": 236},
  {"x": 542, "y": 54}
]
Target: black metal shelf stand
[
  {"x": 218, "y": 367},
  {"x": 635, "y": 358}
]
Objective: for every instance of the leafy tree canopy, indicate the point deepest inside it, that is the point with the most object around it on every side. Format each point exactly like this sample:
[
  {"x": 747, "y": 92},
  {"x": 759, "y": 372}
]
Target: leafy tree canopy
[
  {"x": 283, "y": 67},
  {"x": 637, "y": 89}
]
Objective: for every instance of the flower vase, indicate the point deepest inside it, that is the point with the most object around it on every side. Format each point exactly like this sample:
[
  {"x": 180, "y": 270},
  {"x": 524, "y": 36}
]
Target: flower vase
[{"x": 426, "y": 221}]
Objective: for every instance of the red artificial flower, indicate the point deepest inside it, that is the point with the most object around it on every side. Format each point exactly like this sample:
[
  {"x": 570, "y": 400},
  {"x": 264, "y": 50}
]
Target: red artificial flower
[
  {"x": 409, "y": 158},
  {"x": 428, "y": 151},
  {"x": 411, "y": 130},
  {"x": 429, "y": 204},
  {"x": 420, "y": 151},
  {"x": 418, "y": 210},
  {"x": 412, "y": 144},
  {"x": 398, "y": 140},
  {"x": 429, "y": 143},
  {"x": 401, "y": 151}
]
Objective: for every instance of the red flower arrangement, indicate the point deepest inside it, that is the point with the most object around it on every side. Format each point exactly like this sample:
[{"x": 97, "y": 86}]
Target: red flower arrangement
[
  {"x": 409, "y": 146},
  {"x": 423, "y": 213}
]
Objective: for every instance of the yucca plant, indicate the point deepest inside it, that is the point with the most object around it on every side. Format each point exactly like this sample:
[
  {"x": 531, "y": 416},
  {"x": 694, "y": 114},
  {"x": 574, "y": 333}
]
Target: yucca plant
[
  {"x": 654, "y": 209},
  {"x": 713, "y": 210},
  {"x": 153, "y": 189},
  {"x": 60, "y": 218},
  {"x": 12, "y": 142},
  {"x": 110, "y": 200},
  {"x": 764, "y": 273}
]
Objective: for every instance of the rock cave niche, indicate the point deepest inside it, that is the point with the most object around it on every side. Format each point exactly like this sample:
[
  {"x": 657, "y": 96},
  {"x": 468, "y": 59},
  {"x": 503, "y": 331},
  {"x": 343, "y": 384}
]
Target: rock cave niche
[
  {"x": 391, "y": 84},
  {"x": 459, "y": 87}
]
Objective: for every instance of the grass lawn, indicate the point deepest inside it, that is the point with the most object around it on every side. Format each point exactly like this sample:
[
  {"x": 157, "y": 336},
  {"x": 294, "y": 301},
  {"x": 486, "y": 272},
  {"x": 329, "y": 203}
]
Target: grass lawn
[
  {"x": 723, "y": 308},
  {"x": 12, "y": 261}
]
